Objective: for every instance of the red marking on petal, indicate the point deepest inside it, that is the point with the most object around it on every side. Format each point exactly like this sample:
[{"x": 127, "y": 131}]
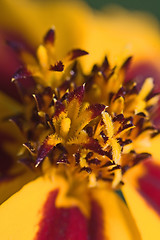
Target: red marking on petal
[
  {"x": 155, "y": 115},
  {"x": 150, "y": 185},
  {"x": 141, "y": 71},
  {"x": 69, "y": 223},
  {"x": 78, "y": 94},
  {"x": 75, "y": 53},
  {"x": 58, "y": 67},
  {"x": 96, "y": 109},
  {"x": 49, "y": 38},
  {"x": 96, "y": 223}
]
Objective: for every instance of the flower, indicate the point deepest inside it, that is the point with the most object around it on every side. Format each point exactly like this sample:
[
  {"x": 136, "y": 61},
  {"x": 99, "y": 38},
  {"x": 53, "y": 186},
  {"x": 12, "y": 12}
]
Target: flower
[{"x": 87, "y": 135}]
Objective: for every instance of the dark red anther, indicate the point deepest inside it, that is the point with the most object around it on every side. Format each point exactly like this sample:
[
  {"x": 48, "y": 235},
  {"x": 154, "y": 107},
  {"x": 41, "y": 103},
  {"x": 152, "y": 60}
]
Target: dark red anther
[
  {"x": 95, "y": 161},
  {"x": 96, "y": 109},
  {"x": 94, "y": 145},
  {"x": 118, "y": 118},
  {"x": 75, "y": 53},
  {"x": 59, "y": 107},
  {"x": 77, "y": 157},
  {"x": 127, "y": 63},
  {"x": 78, "y": 94},
  {"x": 57, "y": 67},
  {"x": 87, "y": 169},
  {"x": 49, "y": 38}
]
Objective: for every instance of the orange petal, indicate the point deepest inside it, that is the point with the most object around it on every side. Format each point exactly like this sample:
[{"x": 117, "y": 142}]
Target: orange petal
[
  {"x": 21, "y": 213},
  {"x": 118, "y": 222},
  {"x": 10, "y": 185},
  {"x": 153, "y": 148},
  {"x": 149, "y": 185},
  {"x": 146, "y": 218},
  {"x": 43, "y": 210},
  {"x": 99, "y": 34},
  {"x": 145, "y": 178},
  {"x": 75, "y": 53}
]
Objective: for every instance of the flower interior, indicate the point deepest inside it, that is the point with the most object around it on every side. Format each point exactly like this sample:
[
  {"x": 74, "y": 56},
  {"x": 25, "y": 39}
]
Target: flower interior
[{"x": 89, "y": 126}]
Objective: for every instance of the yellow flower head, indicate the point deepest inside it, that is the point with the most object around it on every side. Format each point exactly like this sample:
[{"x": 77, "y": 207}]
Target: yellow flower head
[{"x": 85, "y": 131}]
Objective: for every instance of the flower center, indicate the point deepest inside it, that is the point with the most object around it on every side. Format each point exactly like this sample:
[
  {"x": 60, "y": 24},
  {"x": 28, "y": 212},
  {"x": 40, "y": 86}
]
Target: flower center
[{"x": 90, "y": 124}]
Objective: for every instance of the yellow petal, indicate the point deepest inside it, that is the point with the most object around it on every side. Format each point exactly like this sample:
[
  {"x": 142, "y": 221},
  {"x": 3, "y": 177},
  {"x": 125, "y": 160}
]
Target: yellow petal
[
  {"x": 147, "y": 220},
  {"x": 154, "y": 148},
  {"x": 109, "y": 33},
  {"x": 23, "y": 212},
  {"x": 16, "y": 213},
  {"x": 12, "y": 184},
  {"x": 118, "y": 222},
  {"x": 144, "y": 144},
  {"x": 30, "y": 15}
]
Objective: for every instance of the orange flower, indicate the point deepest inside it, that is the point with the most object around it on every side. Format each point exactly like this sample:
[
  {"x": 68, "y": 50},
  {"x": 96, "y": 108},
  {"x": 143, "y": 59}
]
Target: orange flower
[{"x": 86, "y": 131}]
